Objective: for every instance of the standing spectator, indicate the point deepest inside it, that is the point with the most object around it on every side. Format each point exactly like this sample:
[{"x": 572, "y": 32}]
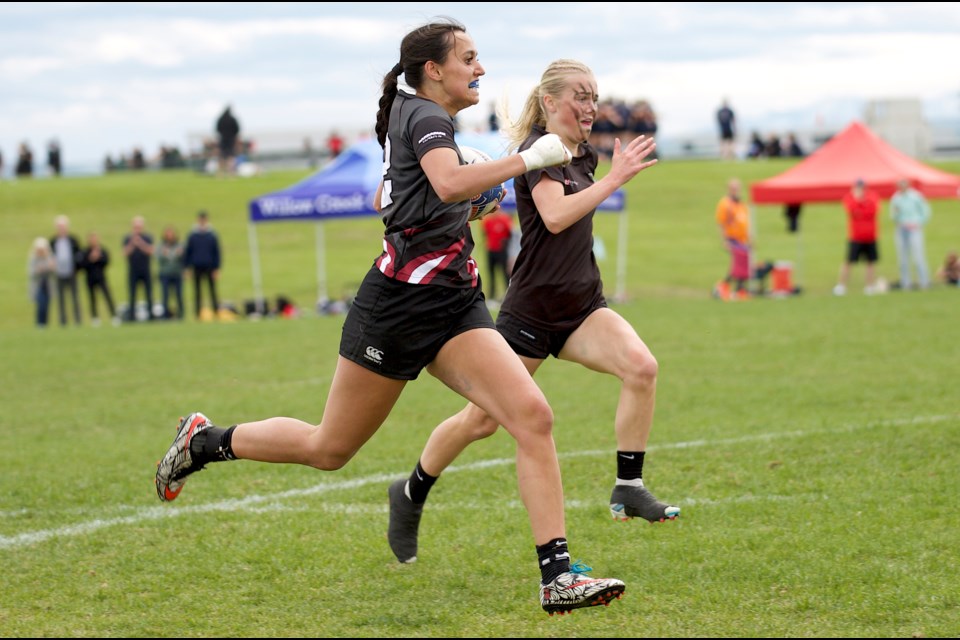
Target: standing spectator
[
  {"x": 66, "y": 251},
  {"x": 733, "y": 218},
  {"x": 202, "y": 255},
  {"x": 138, "y": 248},
  {"x": 727, "y": 121},
  {"x": 497, "y": 227},
  {"x": 910, "y": 212},
  {"x": 41, "y": 267},
  {"x": 334, "y": 144},
  {"x": 228, "y": 130},
  {"x": 862, "y": 206},
  {"x": 493, "y": 120},
  {"x": 53, "y": 157},
  {"x": 94, "y": 261},
  {"x": 170, "y": 271},
  {"x": 1, "y": 165},
  {"x": 25, "y": 161}
]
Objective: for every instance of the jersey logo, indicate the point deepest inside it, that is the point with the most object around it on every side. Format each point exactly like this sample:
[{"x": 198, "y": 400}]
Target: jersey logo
[{"x": 433, "y": 135}]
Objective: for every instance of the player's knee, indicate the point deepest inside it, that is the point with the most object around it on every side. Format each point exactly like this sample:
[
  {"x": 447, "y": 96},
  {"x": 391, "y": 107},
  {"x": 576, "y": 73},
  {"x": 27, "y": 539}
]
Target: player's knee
[
  {"x": 329, "y": 460},
  {"x": 475, "y": 423},
  {"x": 538, "y": 418},
  {"x": 642, "y": 369}
]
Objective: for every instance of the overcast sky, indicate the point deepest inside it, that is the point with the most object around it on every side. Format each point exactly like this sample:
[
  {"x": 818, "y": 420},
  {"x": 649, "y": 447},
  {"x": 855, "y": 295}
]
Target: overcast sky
[{"x": 104, "y": 77}]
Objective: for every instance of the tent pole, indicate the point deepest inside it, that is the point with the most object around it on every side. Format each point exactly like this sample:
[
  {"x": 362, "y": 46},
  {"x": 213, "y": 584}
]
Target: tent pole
[
  {"x": 258, "y": 301},
  {"x": 321, "y": 265},
  {"x": 621, "y": 291},
  {"x": 799, "y": 278}
]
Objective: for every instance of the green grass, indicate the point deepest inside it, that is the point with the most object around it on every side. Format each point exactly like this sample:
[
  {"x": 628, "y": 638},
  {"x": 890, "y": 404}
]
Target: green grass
[{"x": 811, "y": 442}]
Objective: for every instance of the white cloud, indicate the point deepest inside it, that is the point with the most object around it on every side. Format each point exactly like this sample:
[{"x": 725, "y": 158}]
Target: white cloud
[{"x": 109, "y": 75}]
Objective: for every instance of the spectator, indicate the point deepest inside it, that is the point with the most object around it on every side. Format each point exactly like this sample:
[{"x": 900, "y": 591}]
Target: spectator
[
  {"x": 334, "y": 144},
  {"x": 24, "y": 167},
  {"x": 137, "y": 161},
  {"x": 228, "y": 131},
  {"x": 1, "y": 165},
  {"x": 910, "y": 212},
  {"x": 643, "y": 122},
  {"x": 794, "y": 150},
  {"x": 202, "y": 256},
  {"x": 308, "y": 152},
  {"x": 53, "y": 157},
  {"x": 41, "y": 268},
  {"x": 727, "y": 121},
  {"x": 497, "y": 230},
  {"x": 138, "y": 248},
  {"x": 773, "y": 150},
  {"x": 94, "y": 261},
  {"x": 949, "y": 273},
  {"x": 733, "y": 218},
  {"x": 66, "y": 252},
  {"x": 170, "y": 271},
  {"x": 791, "y": 212},
  {"x": 757, "y": 148},
  {"x": 862, "y": 206},
  {"x": 493, "y": 120}
]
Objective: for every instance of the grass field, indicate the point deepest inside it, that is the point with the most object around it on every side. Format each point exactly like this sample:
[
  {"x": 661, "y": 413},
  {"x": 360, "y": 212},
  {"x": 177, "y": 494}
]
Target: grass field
[{"x": 811, "y": 442}]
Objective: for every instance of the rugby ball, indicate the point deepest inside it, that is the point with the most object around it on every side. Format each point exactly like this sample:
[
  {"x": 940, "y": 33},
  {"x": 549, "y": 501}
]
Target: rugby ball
[{"x": 486, "y": 201}]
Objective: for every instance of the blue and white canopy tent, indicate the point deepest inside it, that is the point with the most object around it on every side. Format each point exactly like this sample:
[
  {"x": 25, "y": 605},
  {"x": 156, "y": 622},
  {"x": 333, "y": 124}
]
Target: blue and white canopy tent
[{"x": 345, "y": 188}]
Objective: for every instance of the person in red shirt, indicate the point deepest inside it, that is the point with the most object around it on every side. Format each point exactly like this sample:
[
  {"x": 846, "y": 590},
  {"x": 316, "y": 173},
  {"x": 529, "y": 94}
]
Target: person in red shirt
[
  {"x": 862, "y": 206},
  {"x": 497, "y": 227}
]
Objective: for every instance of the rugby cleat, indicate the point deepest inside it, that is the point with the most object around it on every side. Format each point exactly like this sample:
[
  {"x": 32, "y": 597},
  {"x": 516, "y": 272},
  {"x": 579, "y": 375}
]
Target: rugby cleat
[
  {"x": 177, "y": 464},
  {"x": 628, "y": 502},
  {"x": 404, "y": 524},
  {"x": 575, "y": 590}
]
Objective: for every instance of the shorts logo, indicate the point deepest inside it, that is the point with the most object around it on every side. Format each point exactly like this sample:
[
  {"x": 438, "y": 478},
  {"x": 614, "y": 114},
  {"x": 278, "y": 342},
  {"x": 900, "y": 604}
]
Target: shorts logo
[
  {"x": 374, "y": 354},
  {"x": 527, "y": 335}
]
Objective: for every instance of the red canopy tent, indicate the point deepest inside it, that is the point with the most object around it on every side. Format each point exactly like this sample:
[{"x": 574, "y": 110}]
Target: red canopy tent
[{"x": 856, "y": 152}]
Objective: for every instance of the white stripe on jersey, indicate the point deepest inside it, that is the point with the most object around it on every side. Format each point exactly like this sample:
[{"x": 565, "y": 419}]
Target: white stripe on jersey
[
  {"x": 385, "y": 263},
  {"x": 424, "y": 270}
]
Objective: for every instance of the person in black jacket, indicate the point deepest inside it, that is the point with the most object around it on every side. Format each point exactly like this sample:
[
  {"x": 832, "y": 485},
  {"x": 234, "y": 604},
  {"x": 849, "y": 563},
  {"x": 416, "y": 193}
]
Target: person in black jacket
[
  {"x": 138, "y": 248},
  {"x": 202, "y": 256},
  {"x": 228, "y": 130},
  {"x": 66, "y": 251},
  {"x": 94, "y": 260}
]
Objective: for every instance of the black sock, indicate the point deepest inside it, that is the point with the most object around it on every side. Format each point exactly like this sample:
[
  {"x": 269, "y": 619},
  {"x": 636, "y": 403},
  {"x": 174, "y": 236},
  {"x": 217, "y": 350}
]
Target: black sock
[
  {"x": 554, "y": 559},
  {"x": 419, "y": 484},
  {"x": 630, "y": 465},
  {"x": 212, "y": 445}
]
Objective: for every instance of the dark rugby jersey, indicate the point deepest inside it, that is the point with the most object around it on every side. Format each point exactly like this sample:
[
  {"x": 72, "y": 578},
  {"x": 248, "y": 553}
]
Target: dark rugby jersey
[
  {"x": 555, "y": 279},
  {"x": 425, "y": 240}
]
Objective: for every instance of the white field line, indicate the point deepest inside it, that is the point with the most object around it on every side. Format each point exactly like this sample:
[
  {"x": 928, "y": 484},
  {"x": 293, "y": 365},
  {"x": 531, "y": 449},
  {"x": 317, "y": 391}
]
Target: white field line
[
  {"x": 352, "y": 508},
  {"x": 269, "y": 502}
]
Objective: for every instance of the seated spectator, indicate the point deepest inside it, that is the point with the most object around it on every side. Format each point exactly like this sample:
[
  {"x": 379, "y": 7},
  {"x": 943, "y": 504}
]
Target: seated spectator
[
  {"x": 24, "y": 167},
  {"x": 773, "y": 148},
  {"x": 949, "y": 273},
  {"x": 793, "y": 147},
  {"x": 757, "y": 148}
]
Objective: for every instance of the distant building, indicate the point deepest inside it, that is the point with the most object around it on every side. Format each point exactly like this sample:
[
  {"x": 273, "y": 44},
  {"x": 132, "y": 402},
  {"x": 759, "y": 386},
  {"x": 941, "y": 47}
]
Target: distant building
[{"x": 900, "y": 123}]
